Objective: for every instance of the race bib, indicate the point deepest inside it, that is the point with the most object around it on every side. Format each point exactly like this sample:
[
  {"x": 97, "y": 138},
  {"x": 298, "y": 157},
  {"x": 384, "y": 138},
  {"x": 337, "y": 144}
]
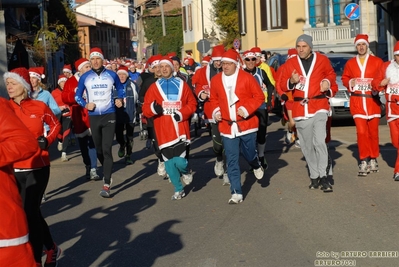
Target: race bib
[
  {"x": 206, "y": 89},
  {"x": 301, "y": 84},
  {"x": 392, "y": 89},
  {"x": 170, "y": 107},
  {"x": 363, "y": 84}
]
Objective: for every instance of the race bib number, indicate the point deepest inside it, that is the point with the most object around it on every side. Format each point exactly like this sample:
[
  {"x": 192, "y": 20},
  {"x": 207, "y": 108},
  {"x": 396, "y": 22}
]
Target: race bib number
[
  {"x": 393, "y": 89},
  {"x": 206, "y": 89},
  {"x": 170, "y": 107},
  {"x": 363, "y": 84},
  {"x": 301, "y": 85}
]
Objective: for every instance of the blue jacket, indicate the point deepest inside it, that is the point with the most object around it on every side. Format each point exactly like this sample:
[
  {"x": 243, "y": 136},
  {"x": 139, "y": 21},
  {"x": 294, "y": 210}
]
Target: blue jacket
[
  {"x": 127, "y": 113},
  {"x": 99, "y": 90}
]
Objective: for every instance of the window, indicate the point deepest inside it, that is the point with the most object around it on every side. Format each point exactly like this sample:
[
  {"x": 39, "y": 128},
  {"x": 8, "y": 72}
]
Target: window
[
  {"x": 319, "y": 11},
  {"x": 184, "y": 19},
  {"x": 273, "y": 14}
]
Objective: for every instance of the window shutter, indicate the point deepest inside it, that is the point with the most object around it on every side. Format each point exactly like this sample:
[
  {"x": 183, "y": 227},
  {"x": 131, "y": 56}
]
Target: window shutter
[
  {"x": 284, "y": 14},
  {"x": 263, "y": 15}
]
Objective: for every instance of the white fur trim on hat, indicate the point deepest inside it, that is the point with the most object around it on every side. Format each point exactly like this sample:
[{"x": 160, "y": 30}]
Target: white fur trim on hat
[
  {"x": 154, "y": 63},
  {"x": 167, "y": 62},
  {"x": 96, "y": 54},
  {"x": 361, "y": 41},
  {"x": 63, "y": 79},
  {"x": 66, "y": 70},
  {"x": 37, "y": 75},
  {"x": 250, "y": 54},
  {"x": 122, "y": 71},
  {"x": 82, "y": 64},
  {"x": 18, "y": 78}
]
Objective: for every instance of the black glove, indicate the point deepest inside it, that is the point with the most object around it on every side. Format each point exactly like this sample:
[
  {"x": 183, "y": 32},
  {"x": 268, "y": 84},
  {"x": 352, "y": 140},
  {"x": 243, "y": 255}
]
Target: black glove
[
  {"x": 158, "y": 108},
  {"x": 284, "y": 97},
  {"x": 177, "y": 117},
  {"x": 43, "y": 143}
]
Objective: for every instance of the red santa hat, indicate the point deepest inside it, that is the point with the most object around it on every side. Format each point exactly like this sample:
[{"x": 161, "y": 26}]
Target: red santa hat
[
  {"x": 61, "y": 78},
  {"x": 79, "y": 64},
  {"x": 21, "y": 75},
  {"x": 171, "y": 54},
  {"x": 249, "y": 54},
  {"x": 123, "y": 69},
  {"x": 67, "y": 68},
  {"x": 37, "y": 72},
  {"x": 362, "y": 38},
  {"x": 190, "y": 62},
  {"x": 231, "y": 55},
  {"x": 396, "y": 48},
  {"x": 154, "y": 60},
  {"x": 206, "y": 59},
  {"x": 257, "y": 51},
  {"x": 96, "y": 52},
  {"x": 217, "y": 52},
  {"x": 167, "y": 60}
]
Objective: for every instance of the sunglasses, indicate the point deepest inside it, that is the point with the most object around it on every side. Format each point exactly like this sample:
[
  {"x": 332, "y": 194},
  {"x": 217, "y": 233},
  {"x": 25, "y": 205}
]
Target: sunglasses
[{"x": 250, "y": 59}]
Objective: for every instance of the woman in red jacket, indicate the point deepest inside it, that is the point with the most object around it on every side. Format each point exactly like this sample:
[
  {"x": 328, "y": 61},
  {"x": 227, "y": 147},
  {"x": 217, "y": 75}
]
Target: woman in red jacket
[
  {"x": 15, "y": 144},
  {"x": 32, "y": 174}
]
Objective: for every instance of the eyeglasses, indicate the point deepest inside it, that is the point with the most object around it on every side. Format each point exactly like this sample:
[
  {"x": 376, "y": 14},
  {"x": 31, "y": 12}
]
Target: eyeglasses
[{"x": 250, "y": 59}]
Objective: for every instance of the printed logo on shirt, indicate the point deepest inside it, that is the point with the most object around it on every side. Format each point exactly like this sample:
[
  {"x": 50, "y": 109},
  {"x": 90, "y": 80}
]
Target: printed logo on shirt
[
  {"x": 99, "y": 93},
  {"x": 99, "y": 86}
]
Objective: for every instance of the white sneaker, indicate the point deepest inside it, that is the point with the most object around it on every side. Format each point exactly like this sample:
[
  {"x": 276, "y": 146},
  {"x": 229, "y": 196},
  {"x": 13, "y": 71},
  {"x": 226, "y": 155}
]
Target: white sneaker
[
  {"x": 226, "y": 180},
  {"x": 64, "y": 157},
  {"x": 187, "y": 178},
  {"x": 297, "y": 143},
  {"x": 235, "y": 199},
  {"x": 178, "y": 195},
  {"x": 288, "y": 138},
  {"x": 259, "y": 172},
  {"x": 219, "y": 170},
  {"x": 161, "y": 168},
  {"x": 94, "y": 175},
  {"x": 59, "y": 146}
]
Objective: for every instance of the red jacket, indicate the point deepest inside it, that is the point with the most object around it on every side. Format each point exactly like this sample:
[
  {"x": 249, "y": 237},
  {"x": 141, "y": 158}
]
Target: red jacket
[
  {"x": 80, "y": 115},
  {"x": 309, "y": 89},
  {"x": 168, "y": 130},
  {"x": 34, "y": 114},
  {"x": 201, "y": 82},
  {"x": 249, "y": 97},
  {"x": 391, "y": 71},
  {"x": 16, "y": 143},
  {"x": 56, "y": 93},
  {"x": 364, "y": 107}
]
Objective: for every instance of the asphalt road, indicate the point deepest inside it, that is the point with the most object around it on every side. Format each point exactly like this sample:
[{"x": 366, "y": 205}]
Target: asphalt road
[{"x": 281, "y": 223}]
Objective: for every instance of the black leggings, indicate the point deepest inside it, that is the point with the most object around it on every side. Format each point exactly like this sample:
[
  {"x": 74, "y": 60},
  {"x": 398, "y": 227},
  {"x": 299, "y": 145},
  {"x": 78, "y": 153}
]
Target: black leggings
[
  {"x": 120, "y": 138},
  {"x": 217, "y": 141},
  {"x": 103, "y": 129},
  {"x": 31, "y": 185},
  {"x": 263, "y": 117}
]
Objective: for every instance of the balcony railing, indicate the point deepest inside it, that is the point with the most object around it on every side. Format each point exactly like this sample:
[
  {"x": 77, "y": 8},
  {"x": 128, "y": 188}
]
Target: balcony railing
[{"x": 330, "y": 34}]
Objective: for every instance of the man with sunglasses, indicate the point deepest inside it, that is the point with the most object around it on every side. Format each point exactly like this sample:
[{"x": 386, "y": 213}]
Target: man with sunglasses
[{"x": 262, "y": 112}]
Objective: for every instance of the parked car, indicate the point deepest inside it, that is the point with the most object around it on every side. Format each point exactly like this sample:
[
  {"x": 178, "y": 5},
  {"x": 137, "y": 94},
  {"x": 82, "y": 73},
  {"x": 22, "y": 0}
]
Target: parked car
[{"x": 340, "y": 102}]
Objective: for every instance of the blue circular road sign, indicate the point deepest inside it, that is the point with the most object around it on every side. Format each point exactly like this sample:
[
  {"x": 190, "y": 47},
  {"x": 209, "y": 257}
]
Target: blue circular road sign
[{"x": 352, "y": 11}]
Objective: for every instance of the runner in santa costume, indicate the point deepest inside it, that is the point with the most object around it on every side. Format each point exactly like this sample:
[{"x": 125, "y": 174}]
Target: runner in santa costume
[
  {"x": 235, "y": 98},
  {"x": 201, "y": 82},
  {"x": 32, "y": 174},
  {"x": 312, "y": 80},
  {"x": 80, "y": 120},
  {"x": 362, "y": 76},
  {"x": 171, "y": 103},
  {"x": 391, "y": 71},
  {"x": 16, "y": 143}
]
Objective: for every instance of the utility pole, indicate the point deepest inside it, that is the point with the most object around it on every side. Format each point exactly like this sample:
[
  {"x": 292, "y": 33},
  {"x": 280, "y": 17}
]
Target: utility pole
[{"x": 162, "y": 17}]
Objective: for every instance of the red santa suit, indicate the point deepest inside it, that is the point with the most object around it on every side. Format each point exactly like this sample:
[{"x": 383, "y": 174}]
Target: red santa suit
[
  {"x": 201, "y": 82},
  {"x": 364, "y": 108},
  {"x": 391, "y": 71},
  {"x": 80, "y": 116},
  {"x": 368, "y": 76},
  {"x": 247, "y": 96},
  {"x": 16, "y": 143},
  {"x": 308, "y": 89},
  {"x": 168, "y": 130}
]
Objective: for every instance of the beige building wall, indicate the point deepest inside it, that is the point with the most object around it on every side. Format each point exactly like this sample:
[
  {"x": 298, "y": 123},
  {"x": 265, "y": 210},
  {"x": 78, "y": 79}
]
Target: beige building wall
[{"x": 273, "y": 40}]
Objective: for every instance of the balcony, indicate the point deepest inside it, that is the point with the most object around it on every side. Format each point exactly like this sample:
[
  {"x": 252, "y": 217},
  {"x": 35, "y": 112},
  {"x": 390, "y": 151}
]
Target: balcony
[{"x": 337, "y": 38}]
